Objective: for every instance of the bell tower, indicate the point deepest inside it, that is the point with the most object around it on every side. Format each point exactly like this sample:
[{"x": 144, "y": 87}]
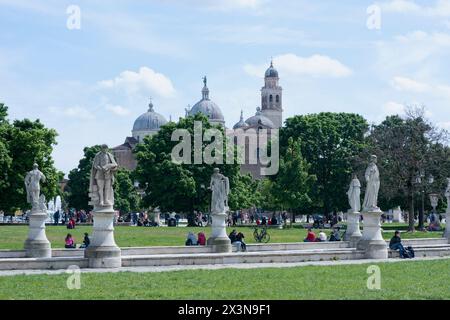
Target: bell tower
[{"x": 271, "y": 97}]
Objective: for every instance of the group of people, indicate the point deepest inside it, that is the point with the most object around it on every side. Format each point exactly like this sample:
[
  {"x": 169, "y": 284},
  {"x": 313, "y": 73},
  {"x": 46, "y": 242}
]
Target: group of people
[
  {"x": 80, "y": 216},
  {"x": 70, "y": 242},
  {"x": 192, "y": 240},
  {"x": 322, "y": 236}
]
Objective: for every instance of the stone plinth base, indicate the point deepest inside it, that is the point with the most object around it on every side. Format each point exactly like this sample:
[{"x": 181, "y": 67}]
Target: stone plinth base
[
  {"x": 37, "y": 244},
  {"x": 447, "y": 225},
  {"x": 372, "y": 241},
  {"x": 219, "y": 239},
  {"x": 353, "y": 233},
  {"x": 103, "y": 251}
]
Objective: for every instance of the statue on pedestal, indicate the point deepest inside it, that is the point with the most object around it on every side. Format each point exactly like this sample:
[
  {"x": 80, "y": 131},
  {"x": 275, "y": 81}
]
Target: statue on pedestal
[
  {"x": 372, "y": 176},
  {"x": 354, "y": 194},
  {"x": 101, "y": 183},
  {"x": 447, "y": 195},
  {"x": 220, "y": 187},
  {"x": 32, "y": 185}
]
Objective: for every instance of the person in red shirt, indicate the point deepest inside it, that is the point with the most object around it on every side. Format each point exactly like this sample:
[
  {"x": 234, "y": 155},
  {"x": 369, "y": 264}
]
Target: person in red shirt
[
  {"x": 311, "y": 236},
  {"x": 201, "y": 239}
]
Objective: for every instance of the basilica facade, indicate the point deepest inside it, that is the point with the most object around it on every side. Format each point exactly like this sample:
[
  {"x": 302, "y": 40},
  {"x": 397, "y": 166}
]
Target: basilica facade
[{"x": 269, "y": 116}]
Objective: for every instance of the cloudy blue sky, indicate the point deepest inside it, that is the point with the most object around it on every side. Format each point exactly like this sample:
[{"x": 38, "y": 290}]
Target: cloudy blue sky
[{"x": 91, "y": 83}]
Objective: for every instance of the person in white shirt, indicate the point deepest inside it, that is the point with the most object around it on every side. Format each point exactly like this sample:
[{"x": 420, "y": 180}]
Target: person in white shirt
[{"x": 322, "y": 236}]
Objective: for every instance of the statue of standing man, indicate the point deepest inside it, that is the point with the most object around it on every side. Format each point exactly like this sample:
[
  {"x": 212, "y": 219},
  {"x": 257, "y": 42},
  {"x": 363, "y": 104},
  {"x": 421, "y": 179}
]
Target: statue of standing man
[
  {"x": 372, "y": 176},
  {"x": 32, "y": 185},
  {"x": 102, "y": 178},
  {"x": 220, "y": 187}
]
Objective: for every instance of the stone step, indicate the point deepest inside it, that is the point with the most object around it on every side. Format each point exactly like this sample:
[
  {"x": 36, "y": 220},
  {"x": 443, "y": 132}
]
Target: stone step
[
  {"x": 424, "y": 241},
  {"x": 132, "y": 251},
  {"x": 243, "y": 257},
  {"x": 425, "y": 251},
  {"x": 39, "y": 263}
]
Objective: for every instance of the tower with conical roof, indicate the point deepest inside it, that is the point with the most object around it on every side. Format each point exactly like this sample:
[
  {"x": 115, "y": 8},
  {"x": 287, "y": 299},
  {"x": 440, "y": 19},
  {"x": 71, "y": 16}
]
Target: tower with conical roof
[{"x": 271, "y": 97}]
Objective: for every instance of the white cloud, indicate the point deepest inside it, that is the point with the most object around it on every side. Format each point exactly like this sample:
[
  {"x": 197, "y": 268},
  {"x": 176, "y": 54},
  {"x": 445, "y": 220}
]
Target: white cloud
[
  {"x": 391, "y": 107},
  {"x": 117, "y": 110},
  {"x": 407, "y": 84},
  {"x": 400, "y": 6},
  {"x": 315, "y": 65},
  {"x": 229, "y": 5},
  {"x": 444, "y": 125},
  {"x": 416, "y": 49},
  {"x": 440, "y": 8},
  {"x": 146, "y": 82},
  {"x": 76, "y": 112}
]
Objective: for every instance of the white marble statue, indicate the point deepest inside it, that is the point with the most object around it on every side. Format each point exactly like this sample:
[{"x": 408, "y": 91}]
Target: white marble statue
[
  {"x": 103, "y": 169},
  {"x": 447, "y": 195},
  {"x": 220, "y": 187},
  {"x": 354, "y": 194},
  {"x": 372, "y": 176},
  {"x": 32, "y": 185}
]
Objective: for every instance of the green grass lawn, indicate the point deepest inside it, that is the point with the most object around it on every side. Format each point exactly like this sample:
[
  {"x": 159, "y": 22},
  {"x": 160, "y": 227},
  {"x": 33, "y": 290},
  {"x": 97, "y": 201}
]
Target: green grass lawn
[
  {"x": 402, "y": 280},
  {"x": 13, "y": 237}
]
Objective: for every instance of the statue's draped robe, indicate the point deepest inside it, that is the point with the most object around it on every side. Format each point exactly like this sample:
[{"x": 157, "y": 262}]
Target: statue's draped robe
[
  {"x": 354, "y": 195},
  {"x": 96, "y": 174},
  {"x": 373, "y": 186},
  {"x": 219, "y": 193}
]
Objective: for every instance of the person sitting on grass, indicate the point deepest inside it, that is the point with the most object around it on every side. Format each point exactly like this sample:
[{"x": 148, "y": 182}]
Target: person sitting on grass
[
  {"x": 310, "y": 237},
  {"x": 322, "y": 237},
  {"x": 335, "y": 236},
  {"x": 70, "y": 242},
  {"x": 191, "y": 239},
  {"x": 86, "y": 241},
  {"x": 201, "y": 239},
  {"x": 396, "y": 244}
]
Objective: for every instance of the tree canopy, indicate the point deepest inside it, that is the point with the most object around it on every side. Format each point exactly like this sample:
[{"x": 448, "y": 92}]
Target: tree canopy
[{"x": 22, "y": 143}]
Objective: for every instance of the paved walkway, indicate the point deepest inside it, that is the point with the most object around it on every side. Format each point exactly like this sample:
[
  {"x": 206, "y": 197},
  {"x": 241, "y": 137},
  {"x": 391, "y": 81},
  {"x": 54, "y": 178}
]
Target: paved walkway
[{"x": 219, "y": 266}]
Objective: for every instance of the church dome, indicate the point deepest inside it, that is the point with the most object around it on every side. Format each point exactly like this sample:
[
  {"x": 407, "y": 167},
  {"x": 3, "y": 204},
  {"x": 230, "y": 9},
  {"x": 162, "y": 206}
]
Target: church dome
[
  {"x": 258, "y": 119},
  {"x": 241, "y": 124},
  {"x": 271, "y": 72},
  {"x": 149, "y": 121},
  {"x": 207, "y": 107}
]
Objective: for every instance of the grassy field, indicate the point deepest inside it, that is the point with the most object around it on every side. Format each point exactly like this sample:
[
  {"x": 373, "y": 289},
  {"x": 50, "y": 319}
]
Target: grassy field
[
  {"x": 13, "y": 237},
  {"x": 402, "y": 280}
]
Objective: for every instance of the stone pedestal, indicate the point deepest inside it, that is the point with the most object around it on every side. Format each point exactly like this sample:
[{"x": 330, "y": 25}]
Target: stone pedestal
[
  {"x": 103, "y": 251},
  {"x": 447, "y": 224},
  {"x": 353, "y": 233},
  {"x": 372, "y": 240},
  {"x": 219, "y": 239},
  {"x": 37, "y": 244}
]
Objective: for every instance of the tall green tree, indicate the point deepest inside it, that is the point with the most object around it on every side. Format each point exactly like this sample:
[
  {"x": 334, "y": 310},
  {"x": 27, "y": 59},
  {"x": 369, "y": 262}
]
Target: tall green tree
[
  {"x": 126, "y": 196},
  {"x": 293, "y": 183},
  {"x": 183, "y": 187},
  {"x": 78, "y": 184},
  {"x": 23, "y": 143},
  {"x": 410, "y": 150},
  {"x": 330, "y": 143}
]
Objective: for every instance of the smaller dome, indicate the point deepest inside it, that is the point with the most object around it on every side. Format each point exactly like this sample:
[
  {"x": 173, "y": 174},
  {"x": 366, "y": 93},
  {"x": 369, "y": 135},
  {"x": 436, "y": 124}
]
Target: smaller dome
[
  {"x": 150, "y": 120},
  {"x": 241, "y": 124},
  {"x": 271, "y": 72},
  {"x": 259, "y": 119}
]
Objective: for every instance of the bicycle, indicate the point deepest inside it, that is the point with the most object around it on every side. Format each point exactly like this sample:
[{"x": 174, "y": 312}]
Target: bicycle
[{"x": 262, "y": 236}]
